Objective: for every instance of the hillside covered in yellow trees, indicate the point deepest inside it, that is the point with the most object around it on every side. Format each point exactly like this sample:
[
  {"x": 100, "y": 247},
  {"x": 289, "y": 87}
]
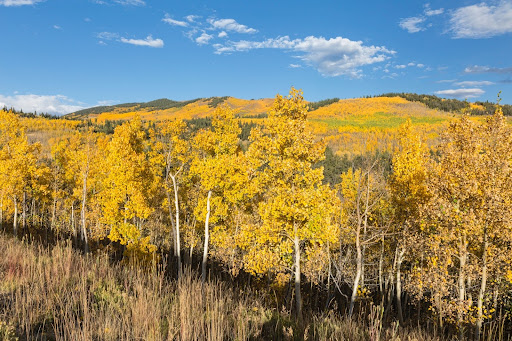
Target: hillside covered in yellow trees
[{"x": 352, "y": 126}]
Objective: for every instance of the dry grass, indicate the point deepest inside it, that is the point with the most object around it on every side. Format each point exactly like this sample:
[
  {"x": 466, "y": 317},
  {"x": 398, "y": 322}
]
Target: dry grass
[{"x": 63, "y": 295}]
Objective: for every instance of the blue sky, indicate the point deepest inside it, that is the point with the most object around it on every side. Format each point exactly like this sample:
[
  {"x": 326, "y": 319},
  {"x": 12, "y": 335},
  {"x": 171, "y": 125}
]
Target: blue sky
[{"x": 62, "y": 55}]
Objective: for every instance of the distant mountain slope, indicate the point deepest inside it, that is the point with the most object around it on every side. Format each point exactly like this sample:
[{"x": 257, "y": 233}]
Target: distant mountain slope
[
  {"x": 452, "y": 105},
  {"x": 164, "y": 108}
]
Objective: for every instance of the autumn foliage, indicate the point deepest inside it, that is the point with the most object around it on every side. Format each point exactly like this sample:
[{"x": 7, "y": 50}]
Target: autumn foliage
[{"x": 427, "y": 235}]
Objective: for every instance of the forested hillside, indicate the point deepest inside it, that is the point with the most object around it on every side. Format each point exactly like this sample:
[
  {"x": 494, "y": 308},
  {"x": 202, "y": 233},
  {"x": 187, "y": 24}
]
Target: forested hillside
[{"x": 375, "y": 210}]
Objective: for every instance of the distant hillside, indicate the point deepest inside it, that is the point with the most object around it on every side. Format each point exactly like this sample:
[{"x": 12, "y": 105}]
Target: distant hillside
[
  {"x": 164, "y": 108},
  {"x": 158, "y": 104},
  {"x": 452, "y": 105}
]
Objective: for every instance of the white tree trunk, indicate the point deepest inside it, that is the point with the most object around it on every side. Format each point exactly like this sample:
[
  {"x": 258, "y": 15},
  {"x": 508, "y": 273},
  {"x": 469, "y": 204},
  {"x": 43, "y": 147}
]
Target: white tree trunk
[
  {"x": 206, "y": 238},
  {"x": 483, "y": 285},
  {"x": 82, "y": 213},
  {"x": 462, "y": 284},
  {"x": 15, "y": 217},
  {"x": 24, "y": 211},
  {"x": 177, "y": 222},
  {"x": 359, "y": 270}
]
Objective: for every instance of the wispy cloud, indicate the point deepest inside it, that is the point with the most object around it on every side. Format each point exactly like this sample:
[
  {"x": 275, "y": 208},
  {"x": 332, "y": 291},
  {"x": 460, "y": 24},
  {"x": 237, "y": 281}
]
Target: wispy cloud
[
  {"x": 474, "y": 83},
  {"x": 203, "y": 31},
  {"x": 487, "y": 69},
  {"x": 331, "y": 57},
  {"x": 432, "y": 12},
  {"x": 53, "y": 104},
  {"x": 174, "y": 22},
  {"x": 121, "y": 2},
  {"x": 148, "y": 41},
  {"x": 461, "y": 93},
  {"x": 57, "y": 27},
  {"x": 204, "y": 38},
  {"x": 192, "y": 17},
  {"x": 412, "y": 24},
  {"x": 419, "y": 23},
  {"x": 230, "y": 25},
  {"x": 107, "y": 35},
  {"x": 13, "y": 3},
  {"x": 131, "y": 2},
  {"x": 411, "y": 64},
  {"x": 481, "y": 20}
]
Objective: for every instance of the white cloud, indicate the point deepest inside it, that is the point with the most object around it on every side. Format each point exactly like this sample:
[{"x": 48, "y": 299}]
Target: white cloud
[
  {"x": 446, "y": 81},
  {"x": 230, "y": 25},
  {"x": 432, "y": 12},
  {"x": 461, "y": 93},
  {"x": 401, "y": 66},
  {"x": 57, "y": 27},
  {"x": 487, "y": 69},
  {"x": 474, "y": 83},
  {"x": 121, "y": 2},
  {"x": 203, "y": 38},
  {"x": 295, "y": 66},
  {"x": 131, "y": 2},
  {"x": 107, "y": 35},
  {"x": 106, "y": 102},
  {"x": 174, "y": 22},
  {"x": 9, "y": 3},
  {"x": 412, "y": 24},
  {"x": 53, "y": 104},
  {"x": 482, "y": 20},
  {"x": 149, "y": 41},
  {"x": 420, "y": 65},
  {"x": 222, "y": 34},
  {"x": 331, "y": 57},
  {"x": 192, "y": 18},
  {"x": 418, "y": 23}
]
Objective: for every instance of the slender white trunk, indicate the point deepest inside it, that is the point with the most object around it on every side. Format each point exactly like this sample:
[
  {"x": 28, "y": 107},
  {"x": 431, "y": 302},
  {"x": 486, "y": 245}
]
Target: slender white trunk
[
  {"x": 173, "y": 225},
  {"x": 2, "y": 212},
  {"x": 483, "y": 285},
  {"x": 461, "y": 284},
  {"x": 82, "y": 212},
  {"x": 381, "y": 263},
  {"x": 206, "y": 238},
  {"x": 24, "y": 210},
  {"x": 298, "y": 295},
  {"x": 177, "y": 221},
  {"x": 359, "y": 270},
  {"x": 73, "y": 229},
  {"x": 15, "y": 217},
  {"x": 54, "y": 212},
  {"x": 33, "y": 212}
]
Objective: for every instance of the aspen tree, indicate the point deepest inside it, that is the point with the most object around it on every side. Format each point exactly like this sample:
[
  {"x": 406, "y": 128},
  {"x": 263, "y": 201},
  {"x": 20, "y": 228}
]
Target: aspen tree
[
  {"x": 18, "y": 160},
  {"x": 215, "y": 165},
  {"x": 408, "y": 192},
  {"x": 295, "y": 208},
  {"x": 127, "y": 189}
]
